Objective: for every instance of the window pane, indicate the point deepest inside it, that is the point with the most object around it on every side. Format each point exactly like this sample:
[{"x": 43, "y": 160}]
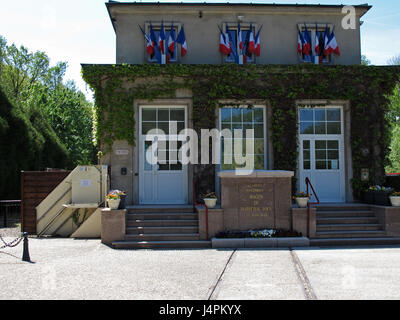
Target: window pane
[
  {"x": 181, "y": 126},
  {"x": 164, "y": 126},
  {"x": 226, "y": 126},
  {"x": 177, "y": 115},
  {"x": 321, "y": 165},
  {"x": 306, "y": 115},
  {"x": 306, "y": 155},
  {"x": 247, "y": 115},
  {"x": 320, "y": 114},
  {"x": 320, "y": 128},
  {"x": 248, "y": 127},
  {"x": 147, "y": 126},
  {"x": 334, "y": 128},
  {"x": 306, "y": 144},
  {"x": 259, "y": 146},
  {"x": 163, "y": 114},
  {"x": 147, "y": 165},
  {"x": 163, "y": 167},
  {"x": 307, "y": 128},
  {"x": 333, "y": 115},
  {"x": 307, "y": 165},
  {"x": 259, "y": 115},
  {"x": 236, "y": 115},
  {"x": 333, "y": 145},
  {"x": 320, "y": 154},
  {"x": 258, "y": 131},
  {"x": 259, "y": 163},
  {"x": 226, "y": 115},
  {"x": 333, "y": 165},
  {"x": 149, "y": 114},
  {"x": 333, "y": 155},
  {"x": 320, "y": 144}
]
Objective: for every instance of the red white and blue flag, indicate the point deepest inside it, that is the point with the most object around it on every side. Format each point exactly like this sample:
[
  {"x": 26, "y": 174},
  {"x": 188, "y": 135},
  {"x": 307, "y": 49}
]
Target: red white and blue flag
[
  {"x": 171, "y": 41},
  {"x": 307, "y": 43},
  {"x": 300, "y": 42},
  {"x": 258, "y": 43},
  {"x": 224, "y": 45},
  {"x": 240, "y": 39},
  {"x": 182, "y": 40},
  {"x": 149, "y": 44},
  {"x": 252, "y": 43},
  {"x": 161, "y": 39},
  {"x": 332, "y": 45}
]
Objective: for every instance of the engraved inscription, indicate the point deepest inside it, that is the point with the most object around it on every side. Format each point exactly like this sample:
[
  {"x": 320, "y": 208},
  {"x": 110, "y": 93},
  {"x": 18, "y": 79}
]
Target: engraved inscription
[{"x": 254, "y": 199}]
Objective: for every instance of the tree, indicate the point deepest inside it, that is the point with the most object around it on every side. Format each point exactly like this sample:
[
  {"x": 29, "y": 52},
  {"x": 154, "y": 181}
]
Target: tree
[
  {"x": 394, "y": 61},
  {"x": 365, "y": 61}
]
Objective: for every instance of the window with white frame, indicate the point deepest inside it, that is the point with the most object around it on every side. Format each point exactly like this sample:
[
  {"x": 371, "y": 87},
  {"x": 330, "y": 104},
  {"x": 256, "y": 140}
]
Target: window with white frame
[
  {"x": 244, "y": 118},
  {"x": 233, "y": 32},
  {"x": 167, "y": 31}
]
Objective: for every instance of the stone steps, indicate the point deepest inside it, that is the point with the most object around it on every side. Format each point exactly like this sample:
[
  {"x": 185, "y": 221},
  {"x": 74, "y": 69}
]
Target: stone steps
[
  {"x": 163, "y": 237},
  {"x": 155, "y": 227},
  {"x": 162, "y": 223},
  {"x": 349, "y": 227},
  {"x": 329, "y": 242},
  {"x": 161, "y": 244},
  {"x": 346, "y": 220},
  {"x": 349, "y": 224}
]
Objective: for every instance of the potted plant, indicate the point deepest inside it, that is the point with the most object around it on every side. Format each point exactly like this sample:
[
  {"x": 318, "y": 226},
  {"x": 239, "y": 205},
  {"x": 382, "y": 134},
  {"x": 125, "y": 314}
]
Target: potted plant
[
  {"x": 302, "y": 199},
  {"x": 113, "y": 200},
  {"x": 395, "y": 199},
  {"x": 210, "y": 199},
  {"x": 378, "y": 195}
]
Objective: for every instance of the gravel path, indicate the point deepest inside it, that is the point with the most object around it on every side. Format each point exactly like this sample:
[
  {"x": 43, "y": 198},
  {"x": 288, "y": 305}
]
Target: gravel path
[{"x": 10, "y": 232}]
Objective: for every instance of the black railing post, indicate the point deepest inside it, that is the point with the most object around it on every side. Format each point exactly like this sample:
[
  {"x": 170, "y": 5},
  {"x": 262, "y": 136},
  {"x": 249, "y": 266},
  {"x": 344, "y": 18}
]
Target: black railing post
[{"x": 25, "y": 254}]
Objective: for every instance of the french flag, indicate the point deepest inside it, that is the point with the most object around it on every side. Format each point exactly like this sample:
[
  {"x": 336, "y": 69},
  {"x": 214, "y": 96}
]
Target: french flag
[
  {"x": 224, "y": 45},
  {"x": 317, "y": 45},
  {"x": 300, "y": 42},
  {"x": 333, "y": 46},
  {"x": 252, "y": 44},
  {"x": 161, "y": 39},
  {"x": 307, "y": 43},
  {"x": 240, "y": 39},
  {"x": 171, "y": 41},
  {"x": 182, "y": 40},
  {"x": 258, "y": 43},
  {"x": 326, "y": 41},
  {"x": 149, "y": 44}
]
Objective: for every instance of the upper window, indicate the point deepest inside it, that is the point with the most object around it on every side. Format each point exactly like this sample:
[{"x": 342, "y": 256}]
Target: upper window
[
  {"x": 167, "y": 31},
  {"x": 233, "y": 37},
  {"x": 320, "y": 121},
  {"x": 312, "y": 30}
]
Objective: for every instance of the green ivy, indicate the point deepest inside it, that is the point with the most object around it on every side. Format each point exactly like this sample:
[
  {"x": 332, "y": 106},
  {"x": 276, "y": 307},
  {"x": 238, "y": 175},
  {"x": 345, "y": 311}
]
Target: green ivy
[{"x": 365, "y": 87}]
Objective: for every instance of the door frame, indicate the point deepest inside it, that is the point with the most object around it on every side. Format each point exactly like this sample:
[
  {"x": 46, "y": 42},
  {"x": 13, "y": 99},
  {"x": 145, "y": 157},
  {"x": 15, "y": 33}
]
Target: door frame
[
  {"x": 141, "y": 150},
  {"x": 313, "y": 137}
]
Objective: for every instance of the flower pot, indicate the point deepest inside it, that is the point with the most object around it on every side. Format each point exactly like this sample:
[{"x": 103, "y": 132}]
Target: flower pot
[
  {"x": 113, "y": 204},
  {"x": 395, "y": 201},
  {"x": 302, "y": 202},
  {"x": 210, "y": 202}
]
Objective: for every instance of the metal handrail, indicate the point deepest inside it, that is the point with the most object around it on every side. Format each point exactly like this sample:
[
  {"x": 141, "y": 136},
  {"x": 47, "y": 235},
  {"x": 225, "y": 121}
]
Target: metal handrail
[
  {"x": 195, "y": 204},
  {"x": 309, "y": 184}
]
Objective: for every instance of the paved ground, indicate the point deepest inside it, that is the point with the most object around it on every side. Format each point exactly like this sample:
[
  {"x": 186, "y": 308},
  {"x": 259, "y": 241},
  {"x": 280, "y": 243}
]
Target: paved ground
[{"x": 86, "y": 269}]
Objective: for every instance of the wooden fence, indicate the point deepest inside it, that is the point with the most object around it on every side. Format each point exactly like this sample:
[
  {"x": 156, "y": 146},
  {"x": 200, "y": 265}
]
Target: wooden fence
[{"x": 35, "y": 187}]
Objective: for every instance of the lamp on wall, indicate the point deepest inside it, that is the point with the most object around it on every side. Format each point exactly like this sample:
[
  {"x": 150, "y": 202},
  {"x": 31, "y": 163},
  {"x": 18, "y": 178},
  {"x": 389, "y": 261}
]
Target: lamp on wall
[
  {"x": 240, "y": 18},
  {"x": 200, "y": 14}
]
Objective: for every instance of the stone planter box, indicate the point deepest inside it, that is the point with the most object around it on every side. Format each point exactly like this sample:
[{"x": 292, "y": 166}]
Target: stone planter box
[
  {"x": 379, "y": 198},
  {"x": 249, "y": 243}
]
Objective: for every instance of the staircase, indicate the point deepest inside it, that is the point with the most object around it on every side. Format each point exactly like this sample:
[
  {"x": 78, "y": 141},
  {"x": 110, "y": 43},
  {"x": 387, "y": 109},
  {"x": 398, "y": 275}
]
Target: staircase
[
  {"x": 349, "y": 225},
  {"x": 162, "y": 228}
]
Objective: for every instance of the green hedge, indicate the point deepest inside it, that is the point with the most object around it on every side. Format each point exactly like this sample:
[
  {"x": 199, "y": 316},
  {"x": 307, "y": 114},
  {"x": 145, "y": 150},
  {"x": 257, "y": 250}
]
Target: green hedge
[{"x": 25, "y": 144}]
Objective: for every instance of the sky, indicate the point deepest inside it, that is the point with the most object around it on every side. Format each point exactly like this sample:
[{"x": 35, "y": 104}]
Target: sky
[{"x": 80, "y": 31}]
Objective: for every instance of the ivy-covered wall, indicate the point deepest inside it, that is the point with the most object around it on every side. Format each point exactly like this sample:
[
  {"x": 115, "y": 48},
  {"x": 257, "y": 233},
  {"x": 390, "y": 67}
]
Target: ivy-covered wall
[{"x": 365, "y": 87}]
